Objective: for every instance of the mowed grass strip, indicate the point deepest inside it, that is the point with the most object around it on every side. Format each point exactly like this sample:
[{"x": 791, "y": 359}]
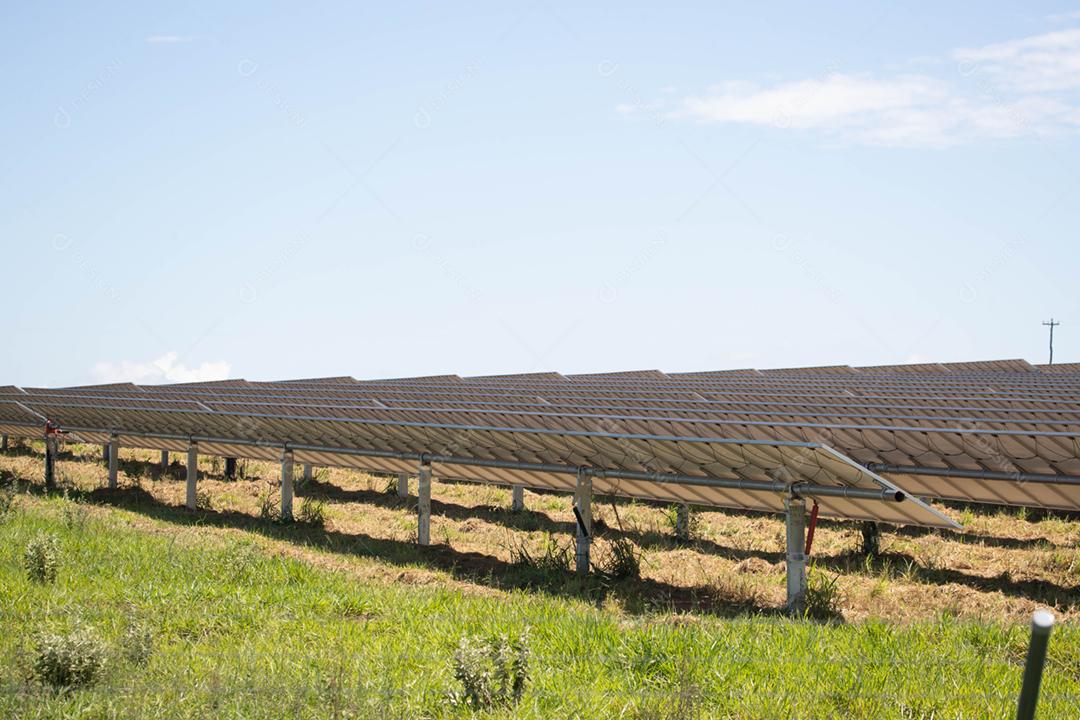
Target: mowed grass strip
[{"x": 241, "y": 629}]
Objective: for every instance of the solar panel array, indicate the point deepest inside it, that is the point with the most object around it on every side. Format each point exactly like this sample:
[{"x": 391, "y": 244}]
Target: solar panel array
[{"x": 997, "y": 431}]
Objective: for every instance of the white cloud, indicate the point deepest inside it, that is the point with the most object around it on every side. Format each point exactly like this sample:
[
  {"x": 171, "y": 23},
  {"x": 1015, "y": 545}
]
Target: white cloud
[
  {"x": 998, "y": 91},
  {"x": 164, "y": 369},
  {"x": 835, "y": 100},
  {"x": 1039, "y": 63},
  {"x": 168, "y": 39}
]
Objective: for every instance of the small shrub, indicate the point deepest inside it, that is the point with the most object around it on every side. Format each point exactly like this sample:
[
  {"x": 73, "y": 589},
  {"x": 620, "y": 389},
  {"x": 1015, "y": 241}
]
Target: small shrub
[
  {"x": 268, "y": 507},
  {"x": 74, "y": 514},
  {"x": 553, "y": 557},
  {"x": 203, "y": 501},
  {"x": 70, "y": 660},
  {"x": 622, "y": 560},
  {"x": 822, "y": 595},
  {"x": 42, "y": 558},
  {"x": 312, "y": 512},
  {"x": 7, "y": 502},
  {"x": 493, "y": 672},
  {"x": 137, "y": 643}
]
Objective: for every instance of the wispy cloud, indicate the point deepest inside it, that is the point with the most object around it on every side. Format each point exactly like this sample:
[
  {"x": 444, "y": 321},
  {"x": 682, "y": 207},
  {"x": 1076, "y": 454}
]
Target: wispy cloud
[
  {"x": 162, "y": 370},
  {"x": 1032, "y": 64},
  {"x": 1004, "y": 90},
  {"x": 168, "y": 39}
]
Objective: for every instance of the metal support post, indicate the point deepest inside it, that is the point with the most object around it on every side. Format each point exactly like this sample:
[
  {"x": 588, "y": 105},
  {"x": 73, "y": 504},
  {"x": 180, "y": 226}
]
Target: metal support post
[
  {"x": 423, "y": 507},
  {"x": 583, "y": 515},
  {"x": 114, "y": 460},
  {"x": 403, "y": 485},
  {"x": 517, "y": 498},
  {"x": 1041, "y": 624},
  {"x": 795, "y": 508},
  {"x": 286, "y": 485},
  {"x": 51, "y": 451},
  {"x": 682, "y": 521},
  {"x": 192, "y": 473},
  {"x": 871, "y": 538},
  {"x": 230, "y": 468}
]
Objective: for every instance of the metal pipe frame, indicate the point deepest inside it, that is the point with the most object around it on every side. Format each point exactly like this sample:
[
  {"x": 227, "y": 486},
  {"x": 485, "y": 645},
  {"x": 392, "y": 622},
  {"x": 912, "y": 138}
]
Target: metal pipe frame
[
  {"x": 774, "y": 486},
  {"x": 975, "y": 474}
]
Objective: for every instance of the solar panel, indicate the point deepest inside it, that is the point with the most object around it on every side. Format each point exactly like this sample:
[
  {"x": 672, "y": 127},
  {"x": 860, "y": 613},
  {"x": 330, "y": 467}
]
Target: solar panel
[{"x": 863, "y": 443}]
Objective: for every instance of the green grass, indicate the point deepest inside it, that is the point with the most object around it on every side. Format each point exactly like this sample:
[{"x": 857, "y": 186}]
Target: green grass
[{"x": 240, "y": 629}]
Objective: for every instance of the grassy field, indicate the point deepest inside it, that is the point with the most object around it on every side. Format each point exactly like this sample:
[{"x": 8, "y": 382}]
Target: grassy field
[{"x": 221, "y": 613}]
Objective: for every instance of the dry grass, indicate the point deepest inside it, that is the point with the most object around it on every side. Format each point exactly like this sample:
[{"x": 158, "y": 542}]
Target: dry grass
[{"x": 1001, "y": 568}]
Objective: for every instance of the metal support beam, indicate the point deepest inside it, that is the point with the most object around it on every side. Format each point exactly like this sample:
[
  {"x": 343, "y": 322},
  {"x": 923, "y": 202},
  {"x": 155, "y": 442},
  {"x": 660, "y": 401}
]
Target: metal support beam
[
  {"x": 517, "y": 498},
  {"x": 403, "y": 485},
  {"x": 682, "y": 521},
  {"x": 192, "y": 473},
  {"x": 114, "y": 460},
  {"x": 423, "y": 507},
  {"x": 583, "y": 515},
  {"x": 105, "y": 453},
  {"x": 871, "y": 538},
  {"x": 3, "y": 443},
  {"x": 164, "y": 460},
  {"x": 230, "y": 468},
  {"x": 1017, "y": 477},
  {"x": 286, "y": 485},
  {"x": 308, "y": 471},
  {"x": 52, "y": 449},
  {"x": 796, "y": 554}
]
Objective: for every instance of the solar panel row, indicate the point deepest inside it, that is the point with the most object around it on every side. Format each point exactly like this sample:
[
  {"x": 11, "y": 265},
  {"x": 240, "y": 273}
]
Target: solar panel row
[{"x": 853, "y": 440}]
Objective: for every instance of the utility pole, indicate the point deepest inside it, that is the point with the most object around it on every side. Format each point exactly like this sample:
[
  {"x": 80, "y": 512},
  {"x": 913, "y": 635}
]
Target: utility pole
[{"x": 1051, "y": 324}]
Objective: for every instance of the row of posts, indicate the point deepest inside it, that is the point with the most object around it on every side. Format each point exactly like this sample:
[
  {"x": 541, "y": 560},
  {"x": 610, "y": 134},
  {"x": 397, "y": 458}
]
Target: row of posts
[{"x": 795, "y": 508}]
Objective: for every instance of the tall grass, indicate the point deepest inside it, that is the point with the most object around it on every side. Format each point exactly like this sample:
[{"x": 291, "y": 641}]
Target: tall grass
[{"x": 243, "y": 629}]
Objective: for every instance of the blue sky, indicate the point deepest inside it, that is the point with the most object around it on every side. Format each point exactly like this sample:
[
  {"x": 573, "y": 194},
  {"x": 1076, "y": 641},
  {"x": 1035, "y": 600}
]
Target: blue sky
[{"x": 274, "y": 190}]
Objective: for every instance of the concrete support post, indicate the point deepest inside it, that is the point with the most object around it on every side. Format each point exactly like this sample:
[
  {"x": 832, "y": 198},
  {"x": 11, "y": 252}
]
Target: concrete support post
[
  {"x": 114, "y": 460},
  {"x": 403, "y": 485},
  {"x": 423, "y": 506},
  {"x": 796, "y": 554},
  {"x": 583, "y": 517},
  {"x": 192, "y": 473},
  {"x": 230, "y": 468},
  {"x": 286, "y": 485},
  {"x": 308, "y": 472},
  {"x": 682, "y": 521},
  {"x": 3, "y": 443},
  {"x": 517, "y": 498},
  {"x": 164, "y": 460},
  {"x": 52, "y": 449}
]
